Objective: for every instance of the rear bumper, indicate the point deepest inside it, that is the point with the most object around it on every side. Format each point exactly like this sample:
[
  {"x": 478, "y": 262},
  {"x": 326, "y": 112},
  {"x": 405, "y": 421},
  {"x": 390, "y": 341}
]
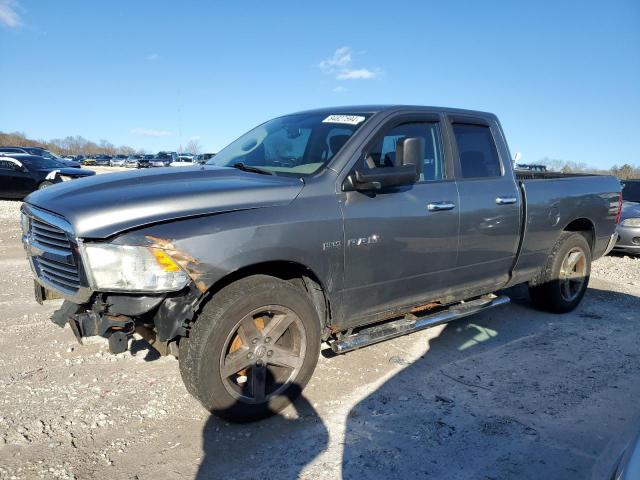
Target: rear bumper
[
  {"x": 628, "y": 239},
  {"x": 611, "y": 244}
]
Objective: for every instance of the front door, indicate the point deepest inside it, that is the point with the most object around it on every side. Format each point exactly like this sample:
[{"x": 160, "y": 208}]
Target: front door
[{"x": 400, "y": 243}]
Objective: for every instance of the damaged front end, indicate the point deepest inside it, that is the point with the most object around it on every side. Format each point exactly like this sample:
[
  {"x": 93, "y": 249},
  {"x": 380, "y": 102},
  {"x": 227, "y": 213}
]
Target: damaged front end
[
  {"x": 112, "y": 290},
  {"x": 160, "y": 320}
]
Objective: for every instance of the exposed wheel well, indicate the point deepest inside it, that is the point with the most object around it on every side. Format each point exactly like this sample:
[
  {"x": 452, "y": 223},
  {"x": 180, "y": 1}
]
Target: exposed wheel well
[
  {"x": 584, "y": 226},
  {"x": 296, "y": 273}
]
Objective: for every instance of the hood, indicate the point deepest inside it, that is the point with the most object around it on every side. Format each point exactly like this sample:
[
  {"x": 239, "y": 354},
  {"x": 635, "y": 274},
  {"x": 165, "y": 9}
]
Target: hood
[
  {"x": 75, "y": 172},
  {"x": 69, "y": 163},
  {"x": 104, "y": 205},
  {"x": 67, "y": 172},
  {"x": 630, "y": 210}
]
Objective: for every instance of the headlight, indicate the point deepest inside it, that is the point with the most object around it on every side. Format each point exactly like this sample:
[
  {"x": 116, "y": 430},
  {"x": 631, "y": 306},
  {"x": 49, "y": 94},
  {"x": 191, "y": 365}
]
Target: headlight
[
  {"x": 24, "y": 223},
  {"x": 128, "y": 268},
  {"x": 65, "y": 178},
  {"x": 631, "y": 222}
]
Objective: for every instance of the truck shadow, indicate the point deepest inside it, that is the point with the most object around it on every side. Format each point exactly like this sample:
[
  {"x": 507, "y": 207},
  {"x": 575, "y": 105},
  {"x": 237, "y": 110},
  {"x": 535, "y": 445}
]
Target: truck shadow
[
  {"x": 508, "y": 393},
  {"x": 511, "y": 393},
  {"x": 255, "y": 451}
]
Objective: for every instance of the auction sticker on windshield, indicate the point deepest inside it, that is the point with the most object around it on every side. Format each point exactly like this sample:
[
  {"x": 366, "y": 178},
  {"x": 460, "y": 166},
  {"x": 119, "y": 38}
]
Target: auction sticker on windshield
[{"x": 344, "y": 119}]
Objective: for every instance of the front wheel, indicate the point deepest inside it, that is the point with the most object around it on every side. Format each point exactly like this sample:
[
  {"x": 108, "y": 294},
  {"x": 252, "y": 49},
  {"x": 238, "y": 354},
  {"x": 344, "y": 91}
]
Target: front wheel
[
  {"x": 252, "y": 349},
  {"x": 45, "y": 184},
  {"x": 563, "y": 280}
]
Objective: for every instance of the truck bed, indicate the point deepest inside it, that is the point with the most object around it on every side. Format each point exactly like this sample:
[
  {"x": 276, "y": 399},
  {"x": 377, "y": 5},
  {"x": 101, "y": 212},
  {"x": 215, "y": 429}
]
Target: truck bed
[
  {"x": 551, "y": 201},
  {"x": 526, "y": 175}
]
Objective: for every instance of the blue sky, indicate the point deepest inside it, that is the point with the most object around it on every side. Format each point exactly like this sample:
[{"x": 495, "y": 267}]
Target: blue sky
[{"x": 564, "y": 77}]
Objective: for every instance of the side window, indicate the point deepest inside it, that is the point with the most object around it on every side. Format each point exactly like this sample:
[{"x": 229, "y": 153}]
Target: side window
[
  {"x": 7, "y": 165},
  {"x": 384, "y": 153},
  {"x": 477, "y": 151}
]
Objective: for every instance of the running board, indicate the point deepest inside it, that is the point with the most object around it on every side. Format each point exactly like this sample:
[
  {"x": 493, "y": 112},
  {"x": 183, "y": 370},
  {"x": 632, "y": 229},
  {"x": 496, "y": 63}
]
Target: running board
[{"x": 412, "y": 323}]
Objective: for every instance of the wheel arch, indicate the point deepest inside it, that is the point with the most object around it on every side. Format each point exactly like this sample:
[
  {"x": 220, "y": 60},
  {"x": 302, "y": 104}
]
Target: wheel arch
[
  {"x": 586, "y": 227},
  {"x": 297, "y": 273}
]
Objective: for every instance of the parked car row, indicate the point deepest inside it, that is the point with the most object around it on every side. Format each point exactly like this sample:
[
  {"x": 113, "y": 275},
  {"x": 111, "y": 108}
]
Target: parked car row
[{"x": 160, "y": 159}]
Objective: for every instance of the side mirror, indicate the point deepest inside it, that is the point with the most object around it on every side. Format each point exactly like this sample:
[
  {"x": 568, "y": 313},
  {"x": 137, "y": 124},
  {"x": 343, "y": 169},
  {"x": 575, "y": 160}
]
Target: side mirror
[
  {"x": 406, "y": 171},
  {"x": 379, "y": 178},
  {"x": 410, "y": 151}
]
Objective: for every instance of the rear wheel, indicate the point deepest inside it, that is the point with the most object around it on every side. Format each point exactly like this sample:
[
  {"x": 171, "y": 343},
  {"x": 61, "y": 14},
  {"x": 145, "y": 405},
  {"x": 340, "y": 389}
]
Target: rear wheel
[
  {"x": 252, "y": 350},
  {"x": 563, "y": 280}
]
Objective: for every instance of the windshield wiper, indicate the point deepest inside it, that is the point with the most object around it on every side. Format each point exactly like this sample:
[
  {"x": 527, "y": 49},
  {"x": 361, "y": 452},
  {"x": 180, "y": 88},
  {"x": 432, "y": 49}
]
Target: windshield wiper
[{"x": 247, "y": 168}]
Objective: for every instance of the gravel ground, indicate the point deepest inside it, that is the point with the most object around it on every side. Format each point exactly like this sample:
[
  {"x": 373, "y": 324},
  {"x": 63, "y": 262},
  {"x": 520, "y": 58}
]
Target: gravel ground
[
  {"x": 509, "y": 393},
  {"x": 618, "y": 268}
]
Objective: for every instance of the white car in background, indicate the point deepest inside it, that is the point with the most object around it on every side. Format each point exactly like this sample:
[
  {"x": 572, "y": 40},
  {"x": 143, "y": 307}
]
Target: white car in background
[
  {"x": 183, "y": 160},
  {"x": 118, "y": 161}
]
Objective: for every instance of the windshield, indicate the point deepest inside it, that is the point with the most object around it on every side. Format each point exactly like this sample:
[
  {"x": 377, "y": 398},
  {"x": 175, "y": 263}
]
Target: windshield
[
  {"x": 41, "y": 162},
  {"x": 631, "y": 190},
  {"x": 292, "y": 145},
  {"x": 42, "y": 152}
]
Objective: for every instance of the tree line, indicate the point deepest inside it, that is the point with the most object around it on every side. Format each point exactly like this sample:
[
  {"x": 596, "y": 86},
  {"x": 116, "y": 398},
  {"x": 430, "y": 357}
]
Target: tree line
[
  {"x": 81, "y": 146},
  {"x": 623, "y": 172}
]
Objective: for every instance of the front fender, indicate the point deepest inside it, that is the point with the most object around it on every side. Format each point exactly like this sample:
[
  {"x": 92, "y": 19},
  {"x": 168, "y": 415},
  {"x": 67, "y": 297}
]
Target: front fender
[{"x": 211, "y": 247}]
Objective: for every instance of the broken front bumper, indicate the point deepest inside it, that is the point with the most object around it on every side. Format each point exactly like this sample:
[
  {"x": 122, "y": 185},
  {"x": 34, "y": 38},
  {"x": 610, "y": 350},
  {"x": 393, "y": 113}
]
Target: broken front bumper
[
  {"x": 54, "y": 256},
  {"x": 116, "y": 317}
]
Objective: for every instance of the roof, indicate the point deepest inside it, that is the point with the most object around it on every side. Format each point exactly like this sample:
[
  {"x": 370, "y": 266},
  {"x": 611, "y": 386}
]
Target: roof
[{"x": 393, "y": 107}]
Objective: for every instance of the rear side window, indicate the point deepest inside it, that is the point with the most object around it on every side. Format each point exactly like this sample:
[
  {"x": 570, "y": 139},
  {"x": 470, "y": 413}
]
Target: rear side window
[{"x": 477, "y": 151}]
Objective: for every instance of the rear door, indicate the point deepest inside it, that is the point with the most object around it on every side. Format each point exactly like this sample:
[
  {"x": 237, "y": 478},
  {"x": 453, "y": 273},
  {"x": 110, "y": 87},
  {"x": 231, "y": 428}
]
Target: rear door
[
  {"x": 490, "y": 204},
  {"x": 400, "y": 243}
]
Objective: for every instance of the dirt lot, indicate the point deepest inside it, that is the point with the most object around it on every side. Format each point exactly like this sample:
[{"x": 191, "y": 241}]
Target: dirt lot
[{"x": 510, "y": 393}]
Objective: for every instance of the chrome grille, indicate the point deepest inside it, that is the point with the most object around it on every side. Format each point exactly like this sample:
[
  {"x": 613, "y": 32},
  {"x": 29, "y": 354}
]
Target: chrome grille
[
  {"x": 63, "y": 275},
  {"x": 49, "y": 236},
  {"x": 53, "y": 258}
]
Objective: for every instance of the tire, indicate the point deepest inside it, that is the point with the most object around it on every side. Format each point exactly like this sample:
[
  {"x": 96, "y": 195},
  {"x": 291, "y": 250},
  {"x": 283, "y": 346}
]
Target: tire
[
  {"x": 564, "y": 278},
  {"x": 222, "y": 340},
  {"x": 45, "y": 184}
]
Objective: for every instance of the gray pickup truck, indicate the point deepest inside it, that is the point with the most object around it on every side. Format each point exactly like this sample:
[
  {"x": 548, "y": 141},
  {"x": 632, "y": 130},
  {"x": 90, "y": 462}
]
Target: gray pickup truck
[{"x": 348, "y": 225}]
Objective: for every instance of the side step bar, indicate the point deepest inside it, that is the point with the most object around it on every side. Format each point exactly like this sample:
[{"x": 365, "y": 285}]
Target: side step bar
[{"x": 412, "y": 323}]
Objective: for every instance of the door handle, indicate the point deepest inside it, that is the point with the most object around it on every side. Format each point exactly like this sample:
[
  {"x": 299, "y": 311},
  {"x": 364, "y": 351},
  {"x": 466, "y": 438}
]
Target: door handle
[
  {"x": 506, "y": 200},
  {"x": 440, "y": 206}
]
